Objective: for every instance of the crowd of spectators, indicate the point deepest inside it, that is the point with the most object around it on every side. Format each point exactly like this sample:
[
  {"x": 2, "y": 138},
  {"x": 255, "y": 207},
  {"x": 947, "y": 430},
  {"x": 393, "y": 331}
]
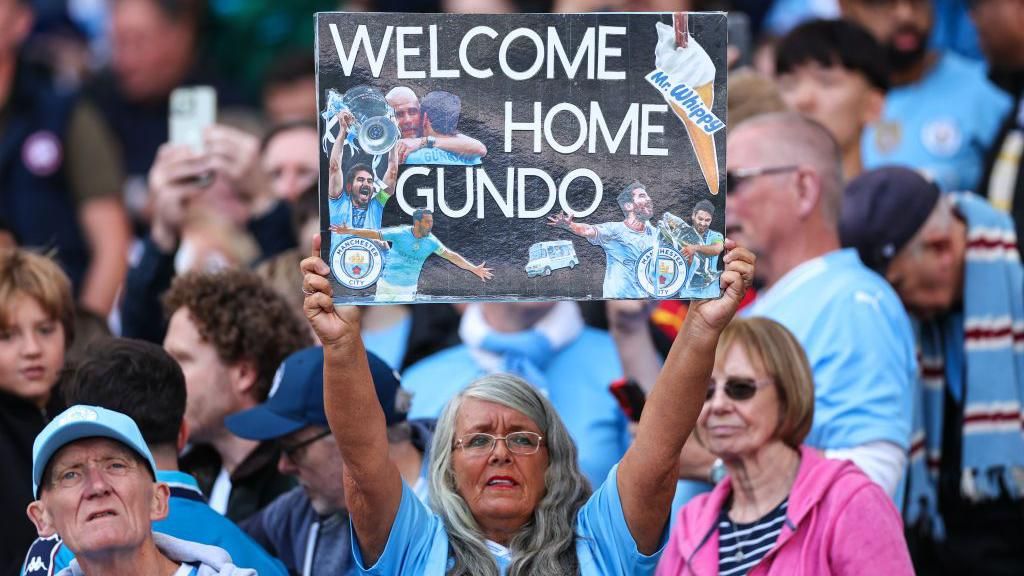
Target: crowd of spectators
[{"x": 179, "y": 396}]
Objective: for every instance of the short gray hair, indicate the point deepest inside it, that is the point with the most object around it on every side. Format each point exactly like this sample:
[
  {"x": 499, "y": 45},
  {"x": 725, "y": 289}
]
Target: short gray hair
[
  {"x": 546, "y": 545},
  {"x": 796, "y": 139}
]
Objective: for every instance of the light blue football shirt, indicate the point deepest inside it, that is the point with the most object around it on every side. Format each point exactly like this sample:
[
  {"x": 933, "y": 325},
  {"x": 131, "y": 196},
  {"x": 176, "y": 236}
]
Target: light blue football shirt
[
  {"x": 941, "y": 126},
  {"x": 859, "y": 342},
  {"x": 343, "y": 213},
  {"x": 438, "y": 156},
  {"x": 418, "y": 543},
  {"x": 622, "y": 248},
  {"x": 405, "y": 259}
]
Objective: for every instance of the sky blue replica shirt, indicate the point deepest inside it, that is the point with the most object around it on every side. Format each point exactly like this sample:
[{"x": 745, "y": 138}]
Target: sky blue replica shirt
[
  {"x": 942, "y": 125},
  {"x": 577, "y": 378},
  {"x": 623, "y": 247},
  {"x": 189, "y": 518},
  {"x": 438, "y": 156},
  {"x": 859, "y": 342},
  {"x": 344, "y": 213},
  {"x": 418, "y": 543},
  {"x": 405, "y": 259}
]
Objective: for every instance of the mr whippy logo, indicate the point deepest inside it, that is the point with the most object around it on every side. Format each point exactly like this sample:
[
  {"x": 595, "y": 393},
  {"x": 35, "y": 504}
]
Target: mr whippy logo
[{"x": 469, "y": 157}]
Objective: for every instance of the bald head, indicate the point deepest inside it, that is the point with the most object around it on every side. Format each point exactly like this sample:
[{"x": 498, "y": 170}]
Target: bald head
[
  {"x": 789, "y": 138},
  {"x": 407, "y": 111}
]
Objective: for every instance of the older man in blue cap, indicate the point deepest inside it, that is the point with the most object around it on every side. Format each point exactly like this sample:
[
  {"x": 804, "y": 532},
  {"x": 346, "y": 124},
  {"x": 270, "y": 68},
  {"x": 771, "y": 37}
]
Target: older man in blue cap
[
  {"x": 953, "y": 260},
  {"x": 307, "y": 527},
  {"x": 95, "y": 483}
]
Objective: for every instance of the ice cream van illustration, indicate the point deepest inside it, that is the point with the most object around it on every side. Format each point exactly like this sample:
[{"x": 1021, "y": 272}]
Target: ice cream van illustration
[{"x": 548, "y": 256}]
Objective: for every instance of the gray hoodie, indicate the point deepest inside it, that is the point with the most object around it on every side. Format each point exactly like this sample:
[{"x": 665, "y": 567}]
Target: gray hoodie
[{"x": 208, "y": 560}]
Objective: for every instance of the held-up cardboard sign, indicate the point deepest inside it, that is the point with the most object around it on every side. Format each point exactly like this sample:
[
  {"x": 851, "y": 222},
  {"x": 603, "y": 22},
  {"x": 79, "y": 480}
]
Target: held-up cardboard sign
[{"x": 522, "y": 157}]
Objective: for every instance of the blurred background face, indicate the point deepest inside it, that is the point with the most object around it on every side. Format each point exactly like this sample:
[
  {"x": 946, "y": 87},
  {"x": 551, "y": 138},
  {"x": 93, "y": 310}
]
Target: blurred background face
[
  {"x": 738, "y": 428},
  {"x": 901, "y": 26},
  {"x": 292, "y": 101},
  {"x": 31, "y": 351},
  {"x": 842, "y": 101},
  {"x": 151, "y": 53},
  {"x": 317, "y": 467},
  {"x": 290, "y": 159},
  {"x": 1000, "y": 25},
  {"x": 15, "y": 22},
  {"x": 207, "y": 380}
]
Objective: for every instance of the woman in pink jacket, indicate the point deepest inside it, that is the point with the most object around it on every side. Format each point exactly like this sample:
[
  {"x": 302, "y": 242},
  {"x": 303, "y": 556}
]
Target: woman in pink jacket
[{"x": 782, "y": 508}]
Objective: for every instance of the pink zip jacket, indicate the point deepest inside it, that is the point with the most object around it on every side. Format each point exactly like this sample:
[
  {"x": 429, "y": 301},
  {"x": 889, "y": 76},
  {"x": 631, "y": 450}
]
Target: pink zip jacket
[{"x": 838, "y": 522}]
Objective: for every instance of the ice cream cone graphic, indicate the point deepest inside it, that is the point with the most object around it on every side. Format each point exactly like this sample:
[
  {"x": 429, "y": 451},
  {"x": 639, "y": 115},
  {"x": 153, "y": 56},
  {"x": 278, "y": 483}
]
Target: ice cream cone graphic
[{"x": 686, "y": 62}]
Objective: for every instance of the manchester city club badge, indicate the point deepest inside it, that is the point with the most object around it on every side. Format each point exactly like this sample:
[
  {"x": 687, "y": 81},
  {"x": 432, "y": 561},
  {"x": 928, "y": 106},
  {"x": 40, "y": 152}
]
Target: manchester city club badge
[
  {"x": 357, "y": 263},
  {"x": 664, "y": 276}
]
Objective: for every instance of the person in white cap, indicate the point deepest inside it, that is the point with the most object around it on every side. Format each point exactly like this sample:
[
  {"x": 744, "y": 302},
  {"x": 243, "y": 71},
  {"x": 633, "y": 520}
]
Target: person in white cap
[{"x": 95, "y": 483}]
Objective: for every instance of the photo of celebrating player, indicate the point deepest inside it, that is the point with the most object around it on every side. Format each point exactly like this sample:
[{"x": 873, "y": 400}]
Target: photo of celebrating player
[
  {"x": 623, "y": 242},
  {"x": 410, "y": 248}
]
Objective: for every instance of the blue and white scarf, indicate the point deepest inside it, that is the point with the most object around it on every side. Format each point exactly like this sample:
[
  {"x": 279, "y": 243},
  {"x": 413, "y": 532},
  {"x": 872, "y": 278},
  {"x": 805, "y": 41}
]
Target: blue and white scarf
[
  {"x": 526, "y": 353},
  {"x": 978, "y": 355}
]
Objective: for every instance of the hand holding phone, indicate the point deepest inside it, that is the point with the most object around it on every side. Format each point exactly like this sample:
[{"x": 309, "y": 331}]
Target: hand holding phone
[{"x": 192, "y": 110}]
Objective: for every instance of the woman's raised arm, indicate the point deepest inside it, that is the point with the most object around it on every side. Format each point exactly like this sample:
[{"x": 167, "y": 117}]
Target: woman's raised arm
[
  {"x": 373, "y": 485},
  {"x": 649, "y": 470}
]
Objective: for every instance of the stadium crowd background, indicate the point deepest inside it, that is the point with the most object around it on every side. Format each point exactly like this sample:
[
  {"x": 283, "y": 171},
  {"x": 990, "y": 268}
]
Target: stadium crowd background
[{"x": 918, "y": 380}]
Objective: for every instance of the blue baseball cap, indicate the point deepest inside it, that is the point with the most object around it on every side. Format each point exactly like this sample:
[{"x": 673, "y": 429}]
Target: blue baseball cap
[
  {"x": 80, "y": 422},
  {"x": 296, "y": 398}
]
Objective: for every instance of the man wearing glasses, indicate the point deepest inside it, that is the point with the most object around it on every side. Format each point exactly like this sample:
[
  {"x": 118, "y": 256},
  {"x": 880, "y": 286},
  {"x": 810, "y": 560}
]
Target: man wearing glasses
[
  {"x": 784, "y": 185},
  {"x": 308, "y": 527}
]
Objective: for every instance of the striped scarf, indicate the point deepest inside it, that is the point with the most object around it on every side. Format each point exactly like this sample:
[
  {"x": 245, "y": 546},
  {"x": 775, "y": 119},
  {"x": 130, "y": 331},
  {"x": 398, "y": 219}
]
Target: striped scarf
[{"x": 978, "y": 356}]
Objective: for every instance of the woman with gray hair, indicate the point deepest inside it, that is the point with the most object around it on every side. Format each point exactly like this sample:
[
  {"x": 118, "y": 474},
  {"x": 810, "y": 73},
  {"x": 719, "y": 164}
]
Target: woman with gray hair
[{"x": 507, "y": 495}]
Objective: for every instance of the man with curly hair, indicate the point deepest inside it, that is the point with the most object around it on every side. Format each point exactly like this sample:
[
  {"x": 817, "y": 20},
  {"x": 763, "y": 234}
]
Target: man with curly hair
[{"x": 229, "y": 332}]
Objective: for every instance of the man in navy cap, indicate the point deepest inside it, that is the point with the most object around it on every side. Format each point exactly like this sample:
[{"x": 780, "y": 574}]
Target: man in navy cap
[
  {"x": 95, "y": 480},
  {"x": 308, "y": 527},
  {"x": 953, "y": 261}
]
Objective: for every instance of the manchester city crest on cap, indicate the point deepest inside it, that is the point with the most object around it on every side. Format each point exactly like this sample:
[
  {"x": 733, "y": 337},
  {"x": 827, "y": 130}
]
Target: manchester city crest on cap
[
  {"x": 77, "y": 414},
  {"x": 357, "y": 263}
]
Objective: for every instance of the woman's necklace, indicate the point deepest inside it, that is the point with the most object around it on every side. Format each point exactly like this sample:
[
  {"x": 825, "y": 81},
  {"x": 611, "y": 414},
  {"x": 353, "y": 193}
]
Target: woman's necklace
[{"x": 740, "y": 543}]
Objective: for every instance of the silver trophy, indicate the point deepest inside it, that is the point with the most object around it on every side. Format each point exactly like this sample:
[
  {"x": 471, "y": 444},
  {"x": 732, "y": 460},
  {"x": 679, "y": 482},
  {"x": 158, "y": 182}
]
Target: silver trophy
[
  {"x": 375, "y": 128},
  {"x": 680, "y": 233}
]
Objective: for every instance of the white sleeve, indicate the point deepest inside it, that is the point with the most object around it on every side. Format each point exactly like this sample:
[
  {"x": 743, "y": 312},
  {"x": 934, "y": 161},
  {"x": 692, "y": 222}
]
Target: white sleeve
[{"x": 884, "y": 462}]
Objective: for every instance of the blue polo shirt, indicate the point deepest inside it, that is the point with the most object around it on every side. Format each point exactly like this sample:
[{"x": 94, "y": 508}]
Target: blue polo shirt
[
  {"x": 418, "y": 542},
  {"x": 860, "y": 345},
  {"x": 577, "y": 379},
  {"x": 943, "y": 125},
  {"x": 189, "y": 518}
]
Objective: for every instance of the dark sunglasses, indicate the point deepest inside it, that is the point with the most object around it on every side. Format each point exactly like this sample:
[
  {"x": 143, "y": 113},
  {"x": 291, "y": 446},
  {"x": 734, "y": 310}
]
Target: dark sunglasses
[
  {"x": 292, "y": 450},
  {"x": 737, "y": 388},
  {"x": 735, "y": 178}
]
